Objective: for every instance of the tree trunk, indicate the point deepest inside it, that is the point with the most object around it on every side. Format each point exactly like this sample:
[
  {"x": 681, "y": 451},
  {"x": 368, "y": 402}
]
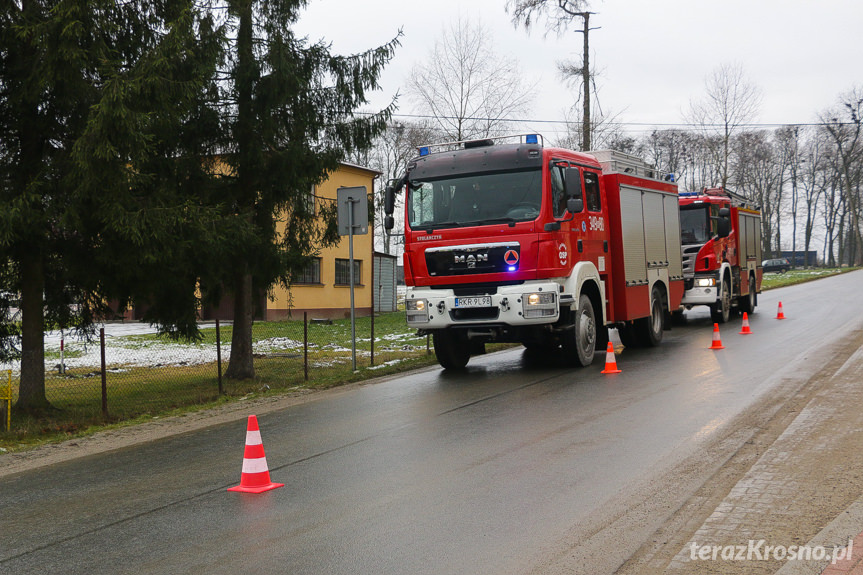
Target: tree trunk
[
  {"x": 31, "y": 392},
  {"x": 241, "y": 365}
]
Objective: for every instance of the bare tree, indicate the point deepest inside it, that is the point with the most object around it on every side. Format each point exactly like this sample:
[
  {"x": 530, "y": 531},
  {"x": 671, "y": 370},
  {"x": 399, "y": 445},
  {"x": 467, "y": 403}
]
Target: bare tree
[
  {"x": 559, "y": 15},
  {"x": 668, "y": 150},
  {"x": 759, "y": 171},
  {"x": 730, "y": 102},
  {"x": 813, "y": 183},
  {"x": 788, "y": 144},
  {"x": 390, "y": 155},
  {"x": 606, "y": 134},
  {"x": 844, "y": 124},
  {"x": 469, "y": 91}
]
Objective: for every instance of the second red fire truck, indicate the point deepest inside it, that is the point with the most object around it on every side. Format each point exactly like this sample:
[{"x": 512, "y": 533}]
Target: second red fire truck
[
  {"x": 720, "y": 232},
  {"x": 519, "y": 242}
]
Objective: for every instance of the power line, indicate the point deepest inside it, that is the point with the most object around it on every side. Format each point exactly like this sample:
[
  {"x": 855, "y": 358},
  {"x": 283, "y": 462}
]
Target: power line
[{"x": 671, "y": 125}]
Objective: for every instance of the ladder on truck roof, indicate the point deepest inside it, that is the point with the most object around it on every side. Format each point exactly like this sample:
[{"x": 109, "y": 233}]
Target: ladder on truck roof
[
  {"x": 614, "y": 162},
  {"x": 737, "y": 200}
]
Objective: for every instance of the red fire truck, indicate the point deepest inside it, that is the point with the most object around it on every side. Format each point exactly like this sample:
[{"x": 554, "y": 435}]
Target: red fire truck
[
  {"x": 519, "y": 242},
  {"x": 720, "y": 233}
]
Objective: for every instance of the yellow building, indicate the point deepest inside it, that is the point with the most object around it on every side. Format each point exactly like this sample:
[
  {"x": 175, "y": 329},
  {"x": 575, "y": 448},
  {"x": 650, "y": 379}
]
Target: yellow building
[{"x": 323, "y": 290}]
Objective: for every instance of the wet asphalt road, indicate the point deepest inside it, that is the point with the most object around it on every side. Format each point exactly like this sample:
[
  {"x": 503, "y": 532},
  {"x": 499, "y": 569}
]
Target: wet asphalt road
[{"x": 478, "y": 472}]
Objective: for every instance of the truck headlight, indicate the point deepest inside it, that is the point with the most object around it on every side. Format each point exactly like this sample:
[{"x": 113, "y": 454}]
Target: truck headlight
[
  {"x": 417, "y": 310},
  {"x": 705, "y": 282},
  {"x": 539, "y": 304}
]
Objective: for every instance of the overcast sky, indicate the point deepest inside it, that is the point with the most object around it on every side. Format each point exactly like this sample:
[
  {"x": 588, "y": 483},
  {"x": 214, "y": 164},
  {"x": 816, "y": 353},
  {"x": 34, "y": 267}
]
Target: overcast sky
[{"x": 652, "y": 56}]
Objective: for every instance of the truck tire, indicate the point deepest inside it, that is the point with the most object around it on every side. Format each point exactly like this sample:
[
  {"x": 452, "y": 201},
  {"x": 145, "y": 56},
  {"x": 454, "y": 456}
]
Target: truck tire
[
  {"x": 451, "y": 349},
  {"x": 650, "y": 328},
  {"x": 720, "y": 312},
  {"x": 748, "y": 302},
  {"x": 579, "y": 345}
]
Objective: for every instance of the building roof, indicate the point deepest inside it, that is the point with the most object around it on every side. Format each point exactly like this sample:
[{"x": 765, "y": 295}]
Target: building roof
[{"x": 363, "y": 168}]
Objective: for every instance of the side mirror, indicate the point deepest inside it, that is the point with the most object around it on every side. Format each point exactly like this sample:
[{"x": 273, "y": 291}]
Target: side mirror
[
  {"x": 723, "y": 224},
  {"x": 389, "y": 223},
  {"x": 389, "y": 200},
  {"x": 572, "y": 183},
  {"x": 574, "y": 205},
  {"x": 723, "y": 228}
]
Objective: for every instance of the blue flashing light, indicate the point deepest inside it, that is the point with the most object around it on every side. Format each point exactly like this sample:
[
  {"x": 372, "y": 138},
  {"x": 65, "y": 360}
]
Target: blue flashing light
[
  {"x": 512, "y": 268},
  {"x": 688, "y": 194},
  {"x": 531, "y": 139},
  {"x": 424, "y": 151},
  {"x": 670, "y": 177}
]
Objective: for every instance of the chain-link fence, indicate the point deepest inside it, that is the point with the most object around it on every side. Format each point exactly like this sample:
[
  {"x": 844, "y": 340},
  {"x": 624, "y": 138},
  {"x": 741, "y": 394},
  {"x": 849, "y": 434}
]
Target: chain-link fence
[{"x": 128, "y": 372}]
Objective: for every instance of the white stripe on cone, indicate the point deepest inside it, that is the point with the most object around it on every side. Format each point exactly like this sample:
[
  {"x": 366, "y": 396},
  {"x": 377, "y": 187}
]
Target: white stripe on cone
[
  {"x": 258, "y": 465},
  {"x": 253, "y": 437}
]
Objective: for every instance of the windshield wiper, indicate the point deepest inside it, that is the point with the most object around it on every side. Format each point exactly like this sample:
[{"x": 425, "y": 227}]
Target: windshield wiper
[
  {"x": 444, "y": 225},
  {"x": 490, "y": 221}
]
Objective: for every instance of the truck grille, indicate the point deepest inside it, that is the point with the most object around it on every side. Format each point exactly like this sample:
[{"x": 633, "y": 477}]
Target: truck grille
[
  {"x": 689, "y": 254},
  {"x": 475, "y": 259}
]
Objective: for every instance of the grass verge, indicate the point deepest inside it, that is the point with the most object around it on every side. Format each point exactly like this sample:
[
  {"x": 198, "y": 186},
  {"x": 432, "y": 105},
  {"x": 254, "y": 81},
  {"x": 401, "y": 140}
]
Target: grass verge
[{"x": 174, "y": 384}]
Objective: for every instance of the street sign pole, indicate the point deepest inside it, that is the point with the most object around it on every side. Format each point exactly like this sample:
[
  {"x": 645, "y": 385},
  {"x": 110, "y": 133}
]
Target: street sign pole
[
  {"x": 351, "y": 265},
  {"x": 353, "y": 220}
]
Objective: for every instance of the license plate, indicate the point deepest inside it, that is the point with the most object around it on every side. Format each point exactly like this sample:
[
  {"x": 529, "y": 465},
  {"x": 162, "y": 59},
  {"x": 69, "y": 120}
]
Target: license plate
[{"x": 479, "y": 301}]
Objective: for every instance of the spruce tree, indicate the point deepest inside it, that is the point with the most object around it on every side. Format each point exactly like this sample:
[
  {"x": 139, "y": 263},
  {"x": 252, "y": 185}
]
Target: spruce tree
[
  {"x": 99, "y": 99},
  {"x": 290, "y": 110}
]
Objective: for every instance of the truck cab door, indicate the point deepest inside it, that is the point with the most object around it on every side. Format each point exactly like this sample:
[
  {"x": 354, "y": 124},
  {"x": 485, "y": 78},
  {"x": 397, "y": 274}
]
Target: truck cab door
[{"x": 591, "y": 236}]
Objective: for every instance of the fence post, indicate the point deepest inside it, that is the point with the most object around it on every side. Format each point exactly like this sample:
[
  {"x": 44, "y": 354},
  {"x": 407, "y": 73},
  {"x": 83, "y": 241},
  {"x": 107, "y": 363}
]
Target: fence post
[
  {"x": 104, "y": 374},
  {"x": 306, "y": 346},
  {"x": 219, "y": 356},
  {"x": 7, "y": 402},
  {"x": 373, "y": 338},
  {"x": 428, "y": 346}
]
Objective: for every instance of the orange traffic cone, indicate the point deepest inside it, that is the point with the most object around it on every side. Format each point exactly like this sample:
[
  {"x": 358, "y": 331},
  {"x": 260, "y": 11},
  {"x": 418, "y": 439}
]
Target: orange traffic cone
[
  {"x": 779, "y": 314},
  {"x": 256, "y": 476},
  {"x": 717, "y": 342},
  {"x": 745, "y": 329},
  {"x": 610, "y": 362}
]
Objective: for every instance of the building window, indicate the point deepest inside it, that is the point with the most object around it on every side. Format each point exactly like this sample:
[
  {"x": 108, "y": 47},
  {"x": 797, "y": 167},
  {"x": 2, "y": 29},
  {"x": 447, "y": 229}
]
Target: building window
[
  {"x": 309, "y": 202},
  {"x": 311, "y": 274},
  {"x": 343, "y": 271}
]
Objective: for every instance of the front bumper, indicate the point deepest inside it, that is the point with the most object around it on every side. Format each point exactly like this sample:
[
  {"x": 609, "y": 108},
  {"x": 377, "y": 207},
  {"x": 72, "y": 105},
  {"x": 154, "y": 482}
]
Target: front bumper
[
  {"x": 696, "y": 294},
  {"x": 509, "y": 305}
]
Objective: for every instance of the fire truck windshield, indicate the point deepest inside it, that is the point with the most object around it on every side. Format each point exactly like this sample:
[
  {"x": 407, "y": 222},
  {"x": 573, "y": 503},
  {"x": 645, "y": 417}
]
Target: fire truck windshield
[
  {"x": 695, "y": 224},
  {"x": 475, "y": 199}
]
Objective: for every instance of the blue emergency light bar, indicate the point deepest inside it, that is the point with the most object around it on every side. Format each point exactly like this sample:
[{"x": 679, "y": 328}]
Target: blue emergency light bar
[{"x": 530, "y": 139}]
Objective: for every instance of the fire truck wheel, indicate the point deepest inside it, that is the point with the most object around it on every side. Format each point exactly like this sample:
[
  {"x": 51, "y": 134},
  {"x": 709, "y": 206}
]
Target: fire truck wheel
[
  {"x": 650, "y": 328},
  {"x": 748, "y": 302},
  {"x": 579, "y": 345},
  {"x": 720, "y": 312},
  {"x": 451, "y": 349}
]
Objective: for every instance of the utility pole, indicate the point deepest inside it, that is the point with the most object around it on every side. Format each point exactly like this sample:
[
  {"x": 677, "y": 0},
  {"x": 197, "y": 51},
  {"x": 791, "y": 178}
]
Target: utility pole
[
  {"x": 585, "y": 75},
  {"x": 560, "y": 14}
]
